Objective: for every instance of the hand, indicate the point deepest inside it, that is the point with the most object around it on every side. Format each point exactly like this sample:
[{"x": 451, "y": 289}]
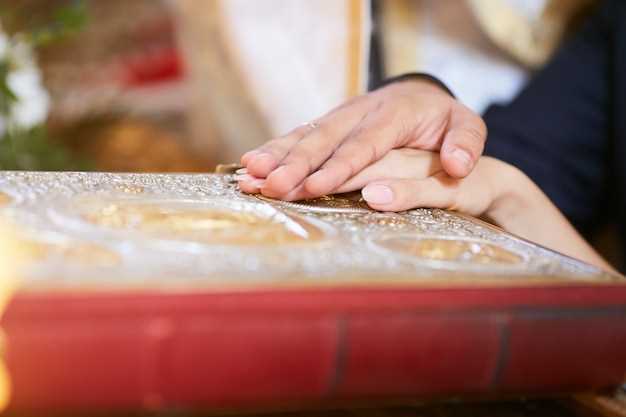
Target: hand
[
  {"x": 317, "y": 158},
  {"x": 407, "y": 178}
]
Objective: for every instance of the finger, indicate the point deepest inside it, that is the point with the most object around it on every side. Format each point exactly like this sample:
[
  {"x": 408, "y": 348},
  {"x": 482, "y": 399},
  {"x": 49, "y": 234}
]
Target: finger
[
  {"x": 312, "y": 150},
  {"x": 297, "y": 194},
  {"x": 464, "y": 143},
  {"x": 252, "y": 185},
  {"x": 366, "y": 144},
  {"x": 261, "y": 161},
  {"x": 245, "y": 158},
  {"x": 249, "y": 184},
  {"x": 438, "y": 191},
  {"x": 397, "y": 164}
]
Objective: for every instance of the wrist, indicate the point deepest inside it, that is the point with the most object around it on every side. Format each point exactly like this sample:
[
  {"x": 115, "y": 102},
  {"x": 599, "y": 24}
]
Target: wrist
[
  {"x": 521, "y": 208},
  {"x": 512, "y": 192},
  {"x": 425, "y": 81}
]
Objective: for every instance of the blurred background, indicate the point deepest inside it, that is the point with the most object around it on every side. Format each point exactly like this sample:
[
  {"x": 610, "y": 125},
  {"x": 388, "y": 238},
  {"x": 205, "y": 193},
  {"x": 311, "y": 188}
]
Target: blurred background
[
  {"x": 181, "y": 85},
  {"x": 93, "y": 85}
]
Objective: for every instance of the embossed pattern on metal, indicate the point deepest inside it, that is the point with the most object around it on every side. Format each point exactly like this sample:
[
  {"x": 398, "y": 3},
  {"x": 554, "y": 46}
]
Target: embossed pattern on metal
[{"x": 163, "y": 231}]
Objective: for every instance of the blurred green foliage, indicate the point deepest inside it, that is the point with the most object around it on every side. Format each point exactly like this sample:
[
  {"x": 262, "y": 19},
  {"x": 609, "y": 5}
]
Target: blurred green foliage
[
  {"x": 43, "y": 22},
  {"x": 67, "y": 21},
  {"x": 31, "y": 148},
  {"x": 7, "y": 97}
]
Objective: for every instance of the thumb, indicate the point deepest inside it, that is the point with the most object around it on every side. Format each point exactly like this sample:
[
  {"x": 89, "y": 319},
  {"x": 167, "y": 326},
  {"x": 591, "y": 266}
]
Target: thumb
[
  {"x": 438, "y": 191},
  {"x": 464, "y": 143}
]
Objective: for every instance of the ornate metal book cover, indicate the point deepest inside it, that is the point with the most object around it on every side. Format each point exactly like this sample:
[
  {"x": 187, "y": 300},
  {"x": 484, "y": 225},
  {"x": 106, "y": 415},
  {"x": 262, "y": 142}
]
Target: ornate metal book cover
[{"x": 179, "y": 291}]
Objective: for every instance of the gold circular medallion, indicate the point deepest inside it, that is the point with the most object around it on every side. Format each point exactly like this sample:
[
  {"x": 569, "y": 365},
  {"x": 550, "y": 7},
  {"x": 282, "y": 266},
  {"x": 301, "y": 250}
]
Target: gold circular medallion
[
  {"x": 181, "y": 221},
  {"x": 5, "y": 199},
  {"x": 77, "y": 253},
  {"x": 451, "y": 250}
]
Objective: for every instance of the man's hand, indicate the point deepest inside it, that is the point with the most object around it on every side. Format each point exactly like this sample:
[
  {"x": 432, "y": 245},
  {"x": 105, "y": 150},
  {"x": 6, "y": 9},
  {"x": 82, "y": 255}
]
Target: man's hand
[{"x": 318, "y": 158}]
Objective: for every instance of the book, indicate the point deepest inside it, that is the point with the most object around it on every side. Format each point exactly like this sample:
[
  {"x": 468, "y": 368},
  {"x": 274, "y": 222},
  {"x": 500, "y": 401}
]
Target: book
[{"x": 163, "y": 291}]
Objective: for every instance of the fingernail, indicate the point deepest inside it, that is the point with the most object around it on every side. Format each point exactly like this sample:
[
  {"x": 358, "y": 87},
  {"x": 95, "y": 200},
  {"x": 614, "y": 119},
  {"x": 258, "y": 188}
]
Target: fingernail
[
  {"x": 241, "y": 171},
  {"x": 377, "y": 194},
  {"x": 244, "y": 177},
  {"x": 463, "y": 157},
  {"x": 258, "y": 183}
]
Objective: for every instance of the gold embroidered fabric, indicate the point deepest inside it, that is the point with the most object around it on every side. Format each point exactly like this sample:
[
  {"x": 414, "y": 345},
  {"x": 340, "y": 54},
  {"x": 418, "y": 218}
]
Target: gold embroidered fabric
[{"x": 531, "y": 41}]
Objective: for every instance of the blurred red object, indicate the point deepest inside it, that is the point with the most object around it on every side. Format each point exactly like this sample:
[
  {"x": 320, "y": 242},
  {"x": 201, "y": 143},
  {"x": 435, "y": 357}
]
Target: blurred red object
[{"x": 152, "y": 65}]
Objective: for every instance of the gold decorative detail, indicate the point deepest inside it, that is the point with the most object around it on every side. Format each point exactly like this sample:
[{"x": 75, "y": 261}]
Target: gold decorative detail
[
  {"x": 80, "y": 253},
  {"x": 400, "y": 25},
  {"x": 227, "y": 168},
  {"x": 5, "y": 199},
  {"x": 130, "y": 188},
  {"x": 90, "y": 254},
  {"x": 354, "y": 64},
  {"x": 203, "y": 225},
  {"x": 346, "y": 202},
  {"x": 458, "y": 250},
  {"x": 529, "y": 40},
  {"x": 198, "y": 231},
  {"x": 390, "y": 220}
]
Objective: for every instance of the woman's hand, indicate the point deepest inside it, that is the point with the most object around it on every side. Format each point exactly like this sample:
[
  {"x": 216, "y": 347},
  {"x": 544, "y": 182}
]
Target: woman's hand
[
  {"x": 317, "y": 158},
  {"x": 407, "y": 178}
]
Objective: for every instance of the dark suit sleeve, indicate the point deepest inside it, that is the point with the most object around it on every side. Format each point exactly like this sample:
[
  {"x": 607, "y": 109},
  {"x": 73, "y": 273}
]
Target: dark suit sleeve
[{"x": 558, "y": 129}]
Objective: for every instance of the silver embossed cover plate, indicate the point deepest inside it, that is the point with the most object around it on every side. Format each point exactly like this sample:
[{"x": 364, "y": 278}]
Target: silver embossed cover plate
[{"x": 101, "y": 231}]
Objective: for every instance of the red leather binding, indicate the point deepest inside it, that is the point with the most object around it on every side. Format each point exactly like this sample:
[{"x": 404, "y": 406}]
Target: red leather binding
[{"x": 274, "y": 348}]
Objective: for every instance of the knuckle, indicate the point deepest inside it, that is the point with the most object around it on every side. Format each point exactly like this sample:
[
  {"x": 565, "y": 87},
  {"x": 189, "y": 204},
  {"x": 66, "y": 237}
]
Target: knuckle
[
  {"x": 474, "y": 135},
  {"x": 354, "y": 101},
  {"x": 372, "y": 153},
  {"x": 274, "y": 142},
  {"x": 300, "y": 158},
  {"x": 276, "y": 146},
  {"x": 324, "y": 130},
  {"x": 309, "y": 149},
  {"x": 355, "y": 135},
  {"x": 344, "y": 163},
  {"x": 359, "y": 100},
  {"x": 403, "y": 100},
  {"x": 409, "y": 194},
  {"x": 350, "y": 148},
  {"x": 358, "y": 153},
  {"x": 445, "y": 190},
  {"x": 295, "y": 134},
  {"x": 477, "y": 128},
  {"x": 267, "y": 149}
]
